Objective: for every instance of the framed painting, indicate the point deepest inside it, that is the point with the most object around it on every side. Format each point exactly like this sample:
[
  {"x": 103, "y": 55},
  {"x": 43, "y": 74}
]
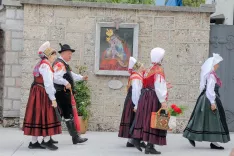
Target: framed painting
[{"x": 114, "y": 46}]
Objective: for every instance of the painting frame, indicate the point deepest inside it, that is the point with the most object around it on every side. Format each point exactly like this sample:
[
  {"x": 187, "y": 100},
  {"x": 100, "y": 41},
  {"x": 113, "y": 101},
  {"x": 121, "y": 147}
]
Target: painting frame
[{"x": 99, "y": 25}]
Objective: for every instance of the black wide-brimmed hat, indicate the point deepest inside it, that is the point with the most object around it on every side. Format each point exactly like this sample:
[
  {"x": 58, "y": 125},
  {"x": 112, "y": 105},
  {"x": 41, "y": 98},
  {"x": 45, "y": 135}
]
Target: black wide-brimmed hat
[{"x": 65, "y": 47}]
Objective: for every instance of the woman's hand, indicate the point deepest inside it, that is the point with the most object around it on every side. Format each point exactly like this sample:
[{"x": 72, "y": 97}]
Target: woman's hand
[
  {"x": 213, "y": 107},
  {"x": 54, "y": 103},
  {"x": 164, "y": 105}
]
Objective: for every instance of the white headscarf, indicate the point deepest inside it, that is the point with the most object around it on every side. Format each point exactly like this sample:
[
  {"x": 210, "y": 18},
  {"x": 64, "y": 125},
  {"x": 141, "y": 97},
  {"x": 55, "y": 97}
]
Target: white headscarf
[
  {"x": 132, "y": 62},
  {"x": 207, "y": 68},
  {"x": 157, "y": 55}
]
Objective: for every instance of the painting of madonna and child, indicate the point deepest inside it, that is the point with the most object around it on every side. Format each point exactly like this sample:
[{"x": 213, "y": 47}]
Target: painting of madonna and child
[{"x": 115, "y": 47}]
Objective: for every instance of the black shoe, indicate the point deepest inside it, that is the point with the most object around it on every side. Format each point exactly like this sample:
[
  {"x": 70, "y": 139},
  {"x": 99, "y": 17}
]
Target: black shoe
[
  {"x": 212, "y": 146},
  {"x": 142, "y": 144},
  {"x": 49, "y": 145},
  {"x": 192, "y": 142},
  {"x": 35, "y": 146},
  {"x": 129, "y": 144},
  {"x": 136, "y": 143},
  {"x": 53, "y": 141},
  {"x": 77, "y": 139},
  {"x": 151, "y": 150}
]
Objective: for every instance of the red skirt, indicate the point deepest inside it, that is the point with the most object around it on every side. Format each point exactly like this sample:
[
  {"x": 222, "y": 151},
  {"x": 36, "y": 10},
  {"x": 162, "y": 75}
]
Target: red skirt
[
  {"x": 147, "y": 104},
  {"x": 40, "y": 117},
  {"x": 127, "y": 116}
]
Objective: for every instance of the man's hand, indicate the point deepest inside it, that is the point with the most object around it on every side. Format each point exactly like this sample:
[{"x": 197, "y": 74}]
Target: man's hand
[
  {"x": 134, "y": 110},
  {"x": 68, "y": 86},
  {"x": 54, "y": 103},
  {"x": 85, "y": 78}
]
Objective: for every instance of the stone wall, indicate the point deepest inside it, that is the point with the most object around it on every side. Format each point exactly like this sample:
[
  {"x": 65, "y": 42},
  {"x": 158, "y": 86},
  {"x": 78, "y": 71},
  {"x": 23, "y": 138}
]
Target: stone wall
[
  {"x": 183, "y": 32},
  {"x": 12, "y": 25}
]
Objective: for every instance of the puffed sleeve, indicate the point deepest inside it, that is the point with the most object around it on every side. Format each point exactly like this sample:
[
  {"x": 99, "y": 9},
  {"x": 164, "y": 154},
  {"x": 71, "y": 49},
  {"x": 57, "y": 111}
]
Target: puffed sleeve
[
  {"x": 210, "y": 93},
  {"x": 59, "y": 71},
  {"x": 136, "y": 91},
  {"x": 77, "y": 77},
  {"x": 47, "y": 75},
  {"x": 160, "y": 86}
]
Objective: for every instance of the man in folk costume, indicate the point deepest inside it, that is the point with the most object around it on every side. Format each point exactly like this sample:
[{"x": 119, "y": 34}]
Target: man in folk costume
[
  {"x": 131, "y": 102},
  {"x": 64, "y": 80},
  {"x": 40, "y": 117},
  {"x": 208, "y": 120},
  {"x": 154, "y": 97}
]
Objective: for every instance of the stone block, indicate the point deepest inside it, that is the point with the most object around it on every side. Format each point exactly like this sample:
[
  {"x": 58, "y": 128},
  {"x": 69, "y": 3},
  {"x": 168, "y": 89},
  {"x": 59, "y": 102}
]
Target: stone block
[
  {"x": 41, "y": 33},
  {"x": 57, "y": 32},
  {"x": 75, "y": 40},
  {"x": 14, "y": 93},
  {"x": 86, "y": 25},
  {"x": 27, "y": 79},
  {"x": 145, "y": 25},
  {"x": 8, "y": 40},
  {"x": 9, "y": 82},
  {"x": 161, "y": 36},
  {"x": 193, "y": 92},
  {"x": 96, "y": 111},
  {"x": 14, "y": 24},
  {"x": 16, "y": 70},
  {"x": 18, "y": 82},
  {"x": 62, "y": 11},
  {"x": 46, "y": 15},
  {"x": 179, "y": 92},
  {"x": 145, "y": 40},
  {"x": 144, "y": 52},
  {"x": 164, "y": 22},
  {"x": 94, "y": 12},
  {"x": 11, "y": 58},
  {"x": 4, "y": 92},
  {"x": 200, "y": 36},
  {"x": 180, "y": 35},
  {"x": 7, "y": 104},
  {"x": 2, "y": 17},
  {"x": 30, "y": 49},
  {"x": 188, "y": 20},
  {"x": 17, "y": 34},
  {"x": 61, "y": 21},
  {"x": 205, "y": 21},
  {"x": 185, "y": 52},
  {"x": 31, "y": 13},
  {"x": 17, "y": 44},
  {"x": 10, "y": 13},
  {"x": 130, "y": 16},
  {"x": 89, "y": 38},
  {"x": 7, "y": 70},
  {"x": 16, "y": 105},
  {"x": 11, "y": 122},
  {"x": 89, "y": 50},
  {"x": 11, "y": 113},
  {"x": 113, "y": 110},
  {"x": 24, "y": 95},
  {"x": 19, "y": 14}
]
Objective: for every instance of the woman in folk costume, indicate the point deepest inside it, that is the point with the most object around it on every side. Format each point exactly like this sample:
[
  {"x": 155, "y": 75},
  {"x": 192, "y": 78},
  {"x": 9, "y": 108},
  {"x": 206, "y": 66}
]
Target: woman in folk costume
[
  {"x": 154, "y": 95},
  {"x": 40, "y": 117},
  {"x": 208, "y": 121},
  {"x": 131, "y": 102}
]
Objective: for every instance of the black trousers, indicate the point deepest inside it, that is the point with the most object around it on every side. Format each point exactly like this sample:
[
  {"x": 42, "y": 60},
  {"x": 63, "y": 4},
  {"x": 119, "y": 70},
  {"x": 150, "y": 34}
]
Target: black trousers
[{"x": 64, "y": 102}]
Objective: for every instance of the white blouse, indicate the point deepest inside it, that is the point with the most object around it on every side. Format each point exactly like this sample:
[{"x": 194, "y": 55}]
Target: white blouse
[
  {"x": 160, "y": 86},
  {"x": 136, "y": 91},
  {"x": 47, "y": 75},
  {"x": 59, "y": 73},
  {"x": 210, "y": 93}
]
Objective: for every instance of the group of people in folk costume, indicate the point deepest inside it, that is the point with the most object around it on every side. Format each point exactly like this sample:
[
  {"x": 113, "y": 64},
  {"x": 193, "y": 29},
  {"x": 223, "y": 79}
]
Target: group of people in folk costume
[
  {"x": 148, "y": 92},
  {"x": 53, "y": 85}
]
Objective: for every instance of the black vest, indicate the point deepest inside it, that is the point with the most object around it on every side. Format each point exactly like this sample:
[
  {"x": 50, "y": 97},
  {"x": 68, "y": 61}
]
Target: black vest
[{"x": 67, "y": 76}]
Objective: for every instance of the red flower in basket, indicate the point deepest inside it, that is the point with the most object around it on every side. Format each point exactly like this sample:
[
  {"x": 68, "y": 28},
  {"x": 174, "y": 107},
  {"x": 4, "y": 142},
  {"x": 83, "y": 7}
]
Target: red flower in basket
[
  {"x": 178, "y": 110},
  {"x": 173, "y": 106}
]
